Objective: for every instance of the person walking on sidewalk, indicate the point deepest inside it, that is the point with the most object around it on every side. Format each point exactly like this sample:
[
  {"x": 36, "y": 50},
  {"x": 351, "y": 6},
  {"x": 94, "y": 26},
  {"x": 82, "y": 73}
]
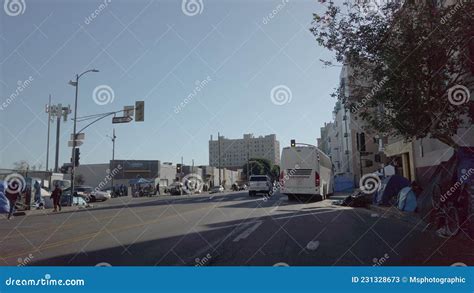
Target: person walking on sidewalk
[
  {"x": 56, "y": 197},
  {"x": 37, "y": 187}
]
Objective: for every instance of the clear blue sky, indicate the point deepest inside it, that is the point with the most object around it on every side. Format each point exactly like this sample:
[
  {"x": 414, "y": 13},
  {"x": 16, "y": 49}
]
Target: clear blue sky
[{"x": 152, "y": 51}]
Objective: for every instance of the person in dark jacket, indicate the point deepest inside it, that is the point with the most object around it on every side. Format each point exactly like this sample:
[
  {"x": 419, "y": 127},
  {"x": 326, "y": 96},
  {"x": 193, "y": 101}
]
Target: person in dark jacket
[
  {"x": 12, "y": 198},
  {"x": 56, "y": 197}
]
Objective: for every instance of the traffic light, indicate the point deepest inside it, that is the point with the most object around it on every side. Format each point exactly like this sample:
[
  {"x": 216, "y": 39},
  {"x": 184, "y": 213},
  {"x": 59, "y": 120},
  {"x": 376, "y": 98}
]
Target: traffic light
[
  {"x": 139, "y": 111},
  {"x": 77, "y": 154},
  {"x": 293, "y": 143},
  {"x": 178, "y": 168}
]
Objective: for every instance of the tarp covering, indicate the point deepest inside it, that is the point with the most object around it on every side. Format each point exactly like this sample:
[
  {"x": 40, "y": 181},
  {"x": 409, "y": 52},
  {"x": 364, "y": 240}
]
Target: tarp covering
[
  {"x": 4, "y": 203},
  {"x": 343, "y": 183},
  {"x": 141, "y": 181},
  {"x": 407, "y": 200},
  {"x": 390, "y": 188}
]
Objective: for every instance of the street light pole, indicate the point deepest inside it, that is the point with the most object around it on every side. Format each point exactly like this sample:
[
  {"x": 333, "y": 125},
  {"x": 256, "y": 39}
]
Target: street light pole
[
  {"x": 73, "y": 156},
  {"x": 48, "y": 110},
  {"x": 113, "y": 157}
]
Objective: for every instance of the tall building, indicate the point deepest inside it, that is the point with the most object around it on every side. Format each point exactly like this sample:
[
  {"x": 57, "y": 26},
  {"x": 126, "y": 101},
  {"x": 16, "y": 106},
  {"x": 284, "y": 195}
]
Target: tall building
[
  {"x": 234, "y": 153},
  {"x": 353, "y": 148}
]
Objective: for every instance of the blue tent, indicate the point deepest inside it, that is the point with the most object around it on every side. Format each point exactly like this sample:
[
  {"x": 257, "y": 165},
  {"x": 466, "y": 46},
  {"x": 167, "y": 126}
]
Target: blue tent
[
  {"x": 390, "y": 188},
  {"x": 407, "y": 200}
]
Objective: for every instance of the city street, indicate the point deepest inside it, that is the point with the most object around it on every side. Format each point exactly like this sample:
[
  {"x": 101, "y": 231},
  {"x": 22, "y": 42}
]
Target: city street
[{"x": 223, "y": 229}]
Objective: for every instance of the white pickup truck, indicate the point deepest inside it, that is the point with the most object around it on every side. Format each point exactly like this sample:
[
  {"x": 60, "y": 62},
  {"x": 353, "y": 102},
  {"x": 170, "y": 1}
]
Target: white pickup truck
[{"x": 260, "y": 184}]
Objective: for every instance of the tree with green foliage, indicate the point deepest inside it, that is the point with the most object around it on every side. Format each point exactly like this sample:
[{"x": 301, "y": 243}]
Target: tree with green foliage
[
  {"x": 258, "y": 166},
  {"x": 412, "y": 64}
]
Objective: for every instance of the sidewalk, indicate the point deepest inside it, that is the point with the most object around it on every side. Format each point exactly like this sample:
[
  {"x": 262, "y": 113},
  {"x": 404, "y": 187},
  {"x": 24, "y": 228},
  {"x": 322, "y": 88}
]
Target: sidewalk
[
  {"x": 394, "y": 212},
  {"x": 49, "y": 211}
]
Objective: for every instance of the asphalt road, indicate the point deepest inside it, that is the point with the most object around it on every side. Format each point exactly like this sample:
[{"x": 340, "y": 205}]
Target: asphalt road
[{"x": 225, "y": 229}]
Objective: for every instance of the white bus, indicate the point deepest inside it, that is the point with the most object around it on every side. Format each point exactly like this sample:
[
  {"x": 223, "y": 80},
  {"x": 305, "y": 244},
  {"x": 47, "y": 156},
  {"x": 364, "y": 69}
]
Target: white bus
[{"x": 306, "y": 172}]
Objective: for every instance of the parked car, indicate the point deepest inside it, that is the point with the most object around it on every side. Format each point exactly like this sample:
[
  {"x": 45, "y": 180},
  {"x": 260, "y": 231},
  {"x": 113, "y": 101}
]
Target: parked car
[
  {"x": 100, "y": 195},
  {"x": 217, "y": 189},
  {"x": 176, "y": 188},
  {"x": 88, "y": 193},
  {"x": 260, "y": 184}
]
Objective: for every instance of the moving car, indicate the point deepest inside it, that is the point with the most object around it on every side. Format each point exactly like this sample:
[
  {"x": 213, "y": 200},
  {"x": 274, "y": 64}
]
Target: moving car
[
  {"x": 306, "y": 172},
  {"x": 260, "y": 184}
]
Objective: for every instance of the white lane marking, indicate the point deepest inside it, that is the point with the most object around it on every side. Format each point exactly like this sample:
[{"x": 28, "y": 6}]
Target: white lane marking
[
  {"x": 247, "y": 232},
  {"x": 305, "y": 215}
]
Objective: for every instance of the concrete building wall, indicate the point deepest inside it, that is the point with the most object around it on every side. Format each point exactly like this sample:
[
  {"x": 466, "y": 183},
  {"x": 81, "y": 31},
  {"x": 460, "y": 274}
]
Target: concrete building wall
[
  {"x": 166, "y": 174},
  {"x": 94, "y": 174}
]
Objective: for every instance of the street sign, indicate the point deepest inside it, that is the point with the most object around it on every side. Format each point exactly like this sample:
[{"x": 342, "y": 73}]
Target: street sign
[
  {"x": 121, "y": 119},
  {"x": 78, "y": 143},
  {"x": 79, "y": 136},
  {"x": 128, "y": 111}
]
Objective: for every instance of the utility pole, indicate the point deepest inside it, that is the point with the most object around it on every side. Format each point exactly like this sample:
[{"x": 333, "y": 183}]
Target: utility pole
[
  {"x": 113, "y": 157},
  {"x": 59, "y": 111},
  {"x": 219, "y": 152},
  {"x": 48, "y": 110}
]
